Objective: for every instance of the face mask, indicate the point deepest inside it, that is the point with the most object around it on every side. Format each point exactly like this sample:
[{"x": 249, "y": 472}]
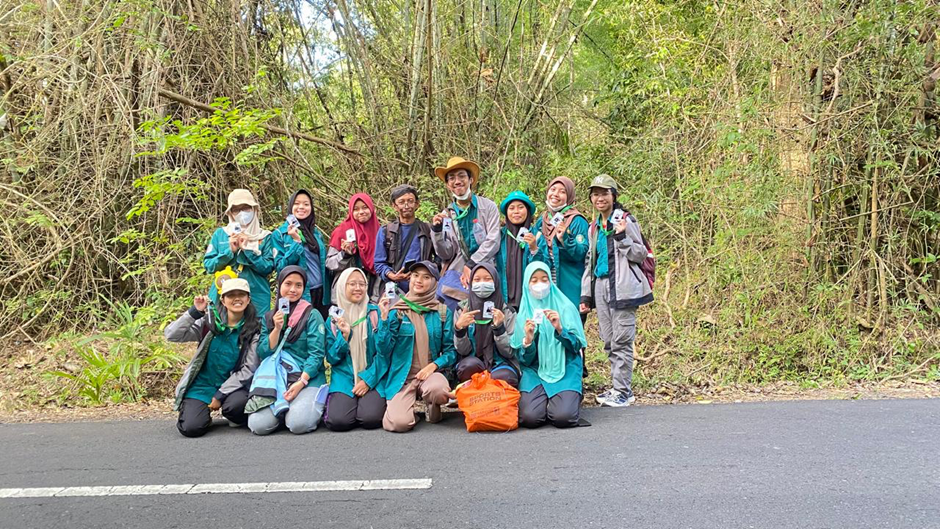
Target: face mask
[
  {"x": 465, "y": 196},
  {"x": 552, "y": 208},
  {"x": 483, "y": 289},
  {"x": 245, "y": 217},
  {"x": 540, "y": 290}
]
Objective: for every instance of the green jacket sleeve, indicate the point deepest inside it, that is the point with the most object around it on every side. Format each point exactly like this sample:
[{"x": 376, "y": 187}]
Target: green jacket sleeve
[
  {"x": 575, "y": 242},
  {"x": 219, "y": 253},
  {"x": 527, "y": 355},
  {"x": 264, "y": 349},
  {"x": 287, "y": 252},
  {"x": 448, "y": 355},
  {"x": 316, "y": 344},
  {"x": 387, "y": 335},
  {"x": 261, "y": 262},
  {"x": 569, "y": 340},
  {"x": 337, "y": 348}
]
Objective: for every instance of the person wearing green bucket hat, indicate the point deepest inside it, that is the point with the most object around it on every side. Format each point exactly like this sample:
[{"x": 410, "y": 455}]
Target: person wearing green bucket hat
[{"x": 519, "y": 245}]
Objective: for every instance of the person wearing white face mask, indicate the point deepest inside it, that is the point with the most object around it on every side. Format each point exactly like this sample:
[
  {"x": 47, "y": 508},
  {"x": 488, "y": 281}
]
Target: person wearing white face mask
[
  {"x": 482, "y": 327},
  {"x": 548, "y": 342},
  {"x": 244, "y": 247},
  {"x": 472, "y": 234}
]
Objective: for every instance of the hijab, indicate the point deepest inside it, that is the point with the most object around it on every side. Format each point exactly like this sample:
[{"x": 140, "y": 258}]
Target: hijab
[
  {"x": 353, "y": 313},
  {"x": 414, "y": 311},
  {"x": 483, "y": 332},
  {"x": 365, "y": 232},
  {"x": 308, "y": 226},
  {"x": 253, "y": 230},
  {"x": 570, "y": 212},
  {"x": 299, "y": 310},
  {"x": 551, "y": 352},
  {"x": 515, "y": 252}
]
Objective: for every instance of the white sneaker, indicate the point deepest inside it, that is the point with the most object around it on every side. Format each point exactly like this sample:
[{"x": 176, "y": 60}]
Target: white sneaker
[
  {"x": 619, "y": 400},
  {"x": 602, "y": 398}
]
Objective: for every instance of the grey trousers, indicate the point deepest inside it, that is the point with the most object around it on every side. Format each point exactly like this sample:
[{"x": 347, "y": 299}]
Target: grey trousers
[
  {"x": 535, "y": 408},
  {"x": 303, "y": 415},
  {"x": 344, "y": 413},
  {"x": 618, "y": 330}
]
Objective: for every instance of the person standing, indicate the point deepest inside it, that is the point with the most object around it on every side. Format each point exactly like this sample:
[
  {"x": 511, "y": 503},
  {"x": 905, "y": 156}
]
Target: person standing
[
  {"x": 615, "y": 285},
  {"x": 301, "y": 244},
  {"x": 564, "y": 232},
  {"x": 243, "y": 249},
  {"x": 402, "y": 242},
  {"x": 472, "y": 233}
]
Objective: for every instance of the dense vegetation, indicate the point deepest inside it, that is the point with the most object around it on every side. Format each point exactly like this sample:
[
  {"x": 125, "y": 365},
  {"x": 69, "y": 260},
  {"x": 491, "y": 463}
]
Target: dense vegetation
[{"x": 782, "y": 157}]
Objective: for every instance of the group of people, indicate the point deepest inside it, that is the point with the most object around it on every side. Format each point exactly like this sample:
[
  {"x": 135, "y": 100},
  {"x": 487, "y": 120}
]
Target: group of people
[{"x": 410, "y": 309}]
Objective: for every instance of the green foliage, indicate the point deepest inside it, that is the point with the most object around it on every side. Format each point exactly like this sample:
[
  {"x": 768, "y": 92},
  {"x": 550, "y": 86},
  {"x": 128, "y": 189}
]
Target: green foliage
[{"x": 120, "y": 365}]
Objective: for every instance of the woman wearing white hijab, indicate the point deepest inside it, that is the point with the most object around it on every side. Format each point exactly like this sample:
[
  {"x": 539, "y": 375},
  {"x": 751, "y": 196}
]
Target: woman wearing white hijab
[
  {"x": 350, "y": 351},
  {"x": 244, "y": 248}
]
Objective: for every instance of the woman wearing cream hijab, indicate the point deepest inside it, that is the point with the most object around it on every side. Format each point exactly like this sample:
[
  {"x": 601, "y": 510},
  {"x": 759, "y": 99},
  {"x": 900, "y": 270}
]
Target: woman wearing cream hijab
[
  {"x": 350, "y": 351},
  {"x": 242, "y": 249}
]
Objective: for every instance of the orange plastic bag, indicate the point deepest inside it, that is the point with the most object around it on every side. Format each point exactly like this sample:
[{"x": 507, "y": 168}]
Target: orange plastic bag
[{"x": 488, "y": 405}]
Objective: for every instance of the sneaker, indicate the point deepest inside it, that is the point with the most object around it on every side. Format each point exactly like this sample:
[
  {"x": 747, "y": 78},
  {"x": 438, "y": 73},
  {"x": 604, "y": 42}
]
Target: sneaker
[
  {"x": 619, "y": 400},
  {"x": 602, "y": 398},
  {"x": 434, "y": 413}
]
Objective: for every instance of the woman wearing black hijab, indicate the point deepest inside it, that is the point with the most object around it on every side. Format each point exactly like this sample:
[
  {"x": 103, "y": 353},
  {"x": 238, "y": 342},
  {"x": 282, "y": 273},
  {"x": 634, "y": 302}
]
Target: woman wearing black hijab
[
  {"x": 299, "y": 242},
  {"x": 483, "y": 326}
]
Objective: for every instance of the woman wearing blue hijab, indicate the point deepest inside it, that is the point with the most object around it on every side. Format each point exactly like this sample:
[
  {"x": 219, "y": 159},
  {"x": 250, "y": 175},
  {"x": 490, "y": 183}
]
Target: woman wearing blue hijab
[{"x": 548, "y": 347}]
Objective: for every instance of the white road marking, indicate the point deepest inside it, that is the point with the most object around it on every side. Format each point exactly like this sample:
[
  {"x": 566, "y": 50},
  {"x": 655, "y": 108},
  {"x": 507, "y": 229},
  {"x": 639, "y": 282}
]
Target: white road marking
[{"x": 217, "y": 488}]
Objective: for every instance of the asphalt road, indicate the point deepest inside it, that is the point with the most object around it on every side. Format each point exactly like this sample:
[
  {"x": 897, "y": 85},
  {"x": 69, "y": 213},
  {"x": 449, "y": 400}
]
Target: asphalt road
[{"x": 826, "y": 464}]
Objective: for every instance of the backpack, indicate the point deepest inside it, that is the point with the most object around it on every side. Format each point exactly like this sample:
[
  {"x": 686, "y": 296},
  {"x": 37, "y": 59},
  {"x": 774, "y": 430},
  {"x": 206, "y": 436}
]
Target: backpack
[{"x": 648, "y": 266}]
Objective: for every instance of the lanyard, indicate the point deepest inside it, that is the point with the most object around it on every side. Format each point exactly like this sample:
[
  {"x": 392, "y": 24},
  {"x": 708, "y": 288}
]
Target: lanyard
[
  {"x": 360, "y": 320},
  {"x": 414, "y": 306},
  {"x": 482, "y": 322},
  {"x": 461, "y": 213}
]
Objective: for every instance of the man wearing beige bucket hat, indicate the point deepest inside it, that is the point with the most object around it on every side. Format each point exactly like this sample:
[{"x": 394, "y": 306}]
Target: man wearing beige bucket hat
[{"x": 467, "y": 232}]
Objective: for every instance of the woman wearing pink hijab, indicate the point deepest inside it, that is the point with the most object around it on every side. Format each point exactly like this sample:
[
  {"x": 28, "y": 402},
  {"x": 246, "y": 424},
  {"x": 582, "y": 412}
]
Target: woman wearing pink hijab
[{"x": 352, "y": 244}]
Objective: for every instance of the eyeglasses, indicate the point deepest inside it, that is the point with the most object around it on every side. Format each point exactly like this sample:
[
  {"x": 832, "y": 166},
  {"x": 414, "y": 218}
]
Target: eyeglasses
[
  {"x": 356, "y": 285},
  {"x": 404, "y": 203},
  {"x": 599, "y": 194}
]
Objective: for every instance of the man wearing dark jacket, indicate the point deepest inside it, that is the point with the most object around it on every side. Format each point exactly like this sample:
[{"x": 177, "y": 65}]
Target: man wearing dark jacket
[{"x": 403, "y": 241}]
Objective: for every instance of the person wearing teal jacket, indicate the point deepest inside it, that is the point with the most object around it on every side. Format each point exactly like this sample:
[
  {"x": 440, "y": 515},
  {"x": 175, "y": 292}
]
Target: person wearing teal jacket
[
  {"x": 518, "y": 246},
  {"x": 565, "y": 239},
  {"x": 301, "y": 335},
  {"x": 351, "y": 353},
  {"x": 242, "y": 249},
  {"x": 548, "y": 339},
  {"x": 416, "y": 340},
  {"x": 301, "y": 244}
]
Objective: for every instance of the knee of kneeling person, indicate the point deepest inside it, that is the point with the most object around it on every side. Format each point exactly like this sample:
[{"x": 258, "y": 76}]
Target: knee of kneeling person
[
  {"x": 507, "y": 376},
  {"x": 260, "y": 425},
  {"x": 371, "y": 423},
  {"x": 191, "y": 430},
  {"x": 338, "y": 425},
  {"x": 567, "y": 419},
  {"x": 531, "y": 418},
  {"x": 398, "y": 424},
  {"x": 299, "y": 427}
]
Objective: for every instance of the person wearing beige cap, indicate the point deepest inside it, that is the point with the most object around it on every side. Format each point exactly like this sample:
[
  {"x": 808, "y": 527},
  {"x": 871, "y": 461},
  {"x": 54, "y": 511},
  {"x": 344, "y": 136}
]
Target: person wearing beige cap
[
  {"x": 225, "y": 360},
  {"x": 467, "y": 232},
  {"x": 243, "y": 249}
]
